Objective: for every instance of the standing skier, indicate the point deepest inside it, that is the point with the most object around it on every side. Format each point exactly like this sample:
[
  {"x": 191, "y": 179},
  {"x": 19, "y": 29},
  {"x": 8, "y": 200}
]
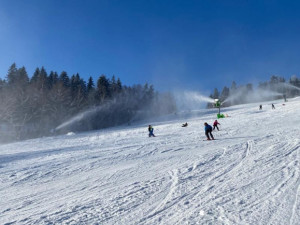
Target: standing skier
[
  {"x": 150, "y": 129},
  {"x": 260, "y": 107},
  {"x": 208, "y": 130},
  {"x": 273, "y": 107},
  {"x": 216, "y": 124}
]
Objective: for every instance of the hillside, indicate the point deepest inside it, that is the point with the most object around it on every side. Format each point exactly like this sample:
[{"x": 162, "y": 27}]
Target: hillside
[{"x": 249, "y": 175}]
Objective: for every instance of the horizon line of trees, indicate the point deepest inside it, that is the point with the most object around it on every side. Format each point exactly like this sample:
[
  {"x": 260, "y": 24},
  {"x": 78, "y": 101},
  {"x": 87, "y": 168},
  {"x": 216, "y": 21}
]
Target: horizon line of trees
[
  {"x": 36, "y": 106},
  {"x": 276, "y": 88}
]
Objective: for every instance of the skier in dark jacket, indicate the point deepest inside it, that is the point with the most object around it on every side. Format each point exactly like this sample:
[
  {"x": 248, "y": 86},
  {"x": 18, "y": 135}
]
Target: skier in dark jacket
[
  {"x": 216, "y": 124},
  {"x": 208, "y": 130},
  {"x": 150, "y": 129},
  {"x": 185, "y": 125}
]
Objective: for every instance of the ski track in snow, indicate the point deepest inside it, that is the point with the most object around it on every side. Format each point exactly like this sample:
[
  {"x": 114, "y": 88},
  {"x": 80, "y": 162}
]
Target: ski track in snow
[{"x": 249, "y": 175}]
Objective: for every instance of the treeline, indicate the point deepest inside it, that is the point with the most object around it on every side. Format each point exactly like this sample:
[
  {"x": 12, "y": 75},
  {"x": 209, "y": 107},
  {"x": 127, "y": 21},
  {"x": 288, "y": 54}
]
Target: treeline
[
  {"x": 276, "y": 88},
  {"x": 36, "y": 106}
]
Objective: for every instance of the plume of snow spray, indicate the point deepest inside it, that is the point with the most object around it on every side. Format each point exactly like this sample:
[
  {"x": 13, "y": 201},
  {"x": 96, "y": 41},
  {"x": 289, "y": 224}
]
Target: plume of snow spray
[
  {"x": 79, "y": 117},
  {"x": 191, "y": 100},
  {"x": 254, "y": 96},
  {"x": 195, "y": 96},
  {"x": 289, "y": 86}
]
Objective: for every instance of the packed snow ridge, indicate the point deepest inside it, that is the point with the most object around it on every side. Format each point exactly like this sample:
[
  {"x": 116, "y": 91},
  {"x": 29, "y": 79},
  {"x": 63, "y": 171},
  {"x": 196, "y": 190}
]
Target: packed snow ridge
[{"x": 249, "y": 175}]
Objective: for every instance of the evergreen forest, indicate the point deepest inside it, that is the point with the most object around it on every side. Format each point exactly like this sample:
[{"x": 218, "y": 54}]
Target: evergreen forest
[{"x": 38, "y": 106}]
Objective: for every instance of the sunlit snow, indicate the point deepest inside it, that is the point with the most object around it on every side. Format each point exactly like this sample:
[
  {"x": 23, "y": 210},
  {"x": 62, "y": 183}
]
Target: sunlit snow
[{"x": 249, "y": 175}]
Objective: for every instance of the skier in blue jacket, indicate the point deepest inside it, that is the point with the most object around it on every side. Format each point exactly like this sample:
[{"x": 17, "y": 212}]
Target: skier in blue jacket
[
  {"x": 150, "y": 129},
  {"x": 208, "y": 130}
]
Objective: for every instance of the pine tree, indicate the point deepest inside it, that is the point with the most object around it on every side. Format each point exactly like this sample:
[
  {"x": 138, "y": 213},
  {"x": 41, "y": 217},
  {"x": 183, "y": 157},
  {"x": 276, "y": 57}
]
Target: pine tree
[
  {"x": 90, "y": 85},
  {"x": 35, "y": 76},
  {"x": 52, "y": 79},
  {"x": 78, "y": 92},
  {"x": 43, "y": 79},
  {"x": 12, "y": 74},
  {"x": 216, "y": 94},
  {"x": 119, "y": 85},
  {"x": 64, "y": 79},
  {"x": 74, "y": 84},
  {"x": 23, "y": 78},
  {"x": 103, "y": 88},
  {"x": 2, "y": 84},
  {"x": 224, "y": 94},
  {"x": 113, "y": 85}
]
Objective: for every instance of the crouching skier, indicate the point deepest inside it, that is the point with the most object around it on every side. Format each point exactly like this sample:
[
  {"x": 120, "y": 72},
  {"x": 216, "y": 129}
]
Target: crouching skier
[
  {"x": 208, "y": 130},
  {"x": 185, "y": 125}
]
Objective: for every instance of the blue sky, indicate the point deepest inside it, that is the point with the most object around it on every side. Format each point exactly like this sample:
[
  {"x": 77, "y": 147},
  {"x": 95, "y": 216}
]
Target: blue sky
[{"x": 194, "y": 45}]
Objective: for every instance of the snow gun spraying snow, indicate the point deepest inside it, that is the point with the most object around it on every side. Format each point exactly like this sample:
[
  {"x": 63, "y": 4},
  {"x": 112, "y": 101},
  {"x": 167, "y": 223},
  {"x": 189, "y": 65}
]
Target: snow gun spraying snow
[
  {"x": 218, "y": 105},
  {"x": 284, "y": 97}
]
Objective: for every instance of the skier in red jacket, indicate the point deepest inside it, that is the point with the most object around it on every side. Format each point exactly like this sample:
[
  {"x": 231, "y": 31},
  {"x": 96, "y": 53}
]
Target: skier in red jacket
[{"x": 216, "y": 124}]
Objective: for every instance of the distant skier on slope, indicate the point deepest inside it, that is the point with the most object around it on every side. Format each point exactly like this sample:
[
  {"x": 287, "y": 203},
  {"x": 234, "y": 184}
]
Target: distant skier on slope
[
  {"x": 216, "y": 124},
  {"x": 150, "y": 129},
  {"x": 208, "y": 130},
  {"x": 185, "y": 125},
  {"x": 260, "y": 107},
  {"x": 273, "y": 107}
]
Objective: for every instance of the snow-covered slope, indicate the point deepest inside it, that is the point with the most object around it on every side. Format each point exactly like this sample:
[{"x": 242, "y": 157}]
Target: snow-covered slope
[{"x": 249, "y": 175}]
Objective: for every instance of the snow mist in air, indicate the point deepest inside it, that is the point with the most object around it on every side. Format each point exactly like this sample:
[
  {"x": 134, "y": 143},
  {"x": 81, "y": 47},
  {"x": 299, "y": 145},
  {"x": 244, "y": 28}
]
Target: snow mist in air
[
  {"x": 79, "y": 117},
  {"x": 254, "y": 96},
  {"x": 289, "y": 86},
  {"x": 190, "y": 100}
]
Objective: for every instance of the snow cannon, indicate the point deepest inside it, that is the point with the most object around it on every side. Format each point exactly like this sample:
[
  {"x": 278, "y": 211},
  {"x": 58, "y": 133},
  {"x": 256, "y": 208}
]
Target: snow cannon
[
  {"x": 218, "y": 105},
  {"x": 284, "y": 97}
]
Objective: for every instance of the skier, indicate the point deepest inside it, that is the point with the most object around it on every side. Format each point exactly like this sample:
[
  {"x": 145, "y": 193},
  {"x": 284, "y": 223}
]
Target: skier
[
  {"x": 273, "y": 107},
  {"x": 216, "y": 124},
  {"x": 150, "y": 129},
  {"x": 208, "y": 130},
  {"x": 185, "y": 125},
  {"x": 260, "y": 107}
]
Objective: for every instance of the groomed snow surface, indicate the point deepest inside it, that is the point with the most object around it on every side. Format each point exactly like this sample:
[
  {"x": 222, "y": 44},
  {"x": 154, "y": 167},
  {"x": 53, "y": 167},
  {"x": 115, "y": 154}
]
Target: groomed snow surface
[{"x": 249, "y": 175}]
